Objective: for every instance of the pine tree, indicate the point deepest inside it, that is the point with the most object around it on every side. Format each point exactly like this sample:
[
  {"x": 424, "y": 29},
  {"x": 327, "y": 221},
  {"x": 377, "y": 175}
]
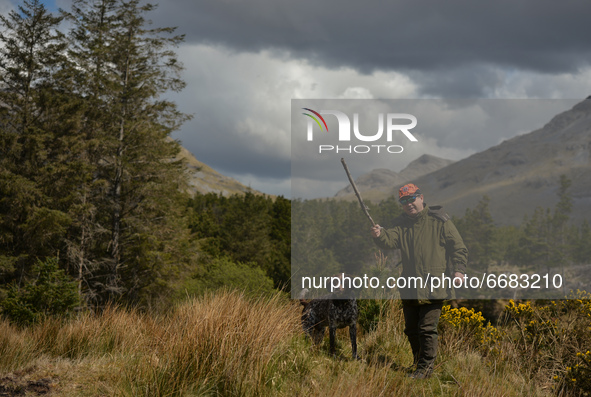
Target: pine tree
[
  {"x": 123, "y": 69},
  {"x": 534, "y": 245},
  {"x": 562, "y": 237},
  {"x": 583, "y": 244},
  {"x": 49, "y": 293},
  {"x": 31, "y": 53},
  {"x": 281, "y": 239},
  {"x": 86, "y": 163},
  {"x": 479, "y": 234}
]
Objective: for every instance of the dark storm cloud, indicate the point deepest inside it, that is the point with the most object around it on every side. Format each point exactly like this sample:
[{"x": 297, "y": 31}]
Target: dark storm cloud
[
  {"x": 230, "y": 154},
  {"x": 216, "y": 142},
  {"x": 539, "y": 35},
  {"x": 247, "y": 59},
  {"x": 464, "y": 81}
]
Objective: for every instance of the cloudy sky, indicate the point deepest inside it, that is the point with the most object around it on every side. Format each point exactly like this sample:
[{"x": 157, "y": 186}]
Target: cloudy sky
[{"x": 247, "y": 60}]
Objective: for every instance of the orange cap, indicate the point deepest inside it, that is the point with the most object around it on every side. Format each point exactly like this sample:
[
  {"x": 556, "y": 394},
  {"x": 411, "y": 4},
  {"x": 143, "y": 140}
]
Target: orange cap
[{"x": 409, "y": 190}]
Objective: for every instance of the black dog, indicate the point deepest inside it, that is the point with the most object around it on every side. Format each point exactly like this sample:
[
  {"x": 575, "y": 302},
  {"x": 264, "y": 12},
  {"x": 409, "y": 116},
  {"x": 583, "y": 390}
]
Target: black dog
[{"x": 332, "y": 312}]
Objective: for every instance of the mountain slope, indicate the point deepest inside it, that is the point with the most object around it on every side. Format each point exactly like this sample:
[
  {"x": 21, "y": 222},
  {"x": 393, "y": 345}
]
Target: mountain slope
[
  {"x": 204, "y": 179},
  {"x": 522, "y": 173},
  {"x": 517, "y": 175},
  {"x": 378, "y": 184}
]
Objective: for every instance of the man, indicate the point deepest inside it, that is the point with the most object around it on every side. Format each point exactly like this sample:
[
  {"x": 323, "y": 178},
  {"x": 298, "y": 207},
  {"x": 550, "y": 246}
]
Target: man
[{"x": 431, "y": 247}]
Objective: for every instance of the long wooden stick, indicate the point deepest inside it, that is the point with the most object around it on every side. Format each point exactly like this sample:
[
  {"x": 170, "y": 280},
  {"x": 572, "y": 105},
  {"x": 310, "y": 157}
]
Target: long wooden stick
[{"x": 363, "y": 206}]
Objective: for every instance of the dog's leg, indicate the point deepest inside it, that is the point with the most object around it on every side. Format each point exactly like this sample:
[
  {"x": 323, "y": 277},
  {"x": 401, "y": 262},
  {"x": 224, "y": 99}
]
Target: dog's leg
[
  {"x": 353, "y": 335},
  {"x": 332, "y": 331},
  {"x": 317, "y": 334}
]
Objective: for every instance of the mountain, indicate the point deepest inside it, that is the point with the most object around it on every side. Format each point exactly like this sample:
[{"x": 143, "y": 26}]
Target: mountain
[
  {"x": 378, "y": 184},
  {"x": 519, "y": 174},
  {"x": 522, "y": 173},
  {"x": 204, "y": 179}
]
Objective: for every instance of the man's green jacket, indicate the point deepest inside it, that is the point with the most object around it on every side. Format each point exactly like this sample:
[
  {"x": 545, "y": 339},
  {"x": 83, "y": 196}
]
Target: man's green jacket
[{"x": 431, "y": 247}]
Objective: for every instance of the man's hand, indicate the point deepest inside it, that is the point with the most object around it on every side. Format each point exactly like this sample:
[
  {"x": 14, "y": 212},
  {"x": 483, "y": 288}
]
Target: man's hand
[
  {"x": 376, "y": 231},
  {"x": 458, "y": 275}
]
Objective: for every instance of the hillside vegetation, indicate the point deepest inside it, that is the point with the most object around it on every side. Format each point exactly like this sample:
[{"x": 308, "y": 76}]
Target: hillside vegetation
[{"x": 226, "y": 343}]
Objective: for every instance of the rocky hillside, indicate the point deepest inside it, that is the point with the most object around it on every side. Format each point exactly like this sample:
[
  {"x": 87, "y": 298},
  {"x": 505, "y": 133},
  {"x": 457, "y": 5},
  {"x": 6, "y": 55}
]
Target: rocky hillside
[
  {"x": 378, "y": 184},
  {"x": 204, "y": 179},
  {"x": 522, "y": 173}
]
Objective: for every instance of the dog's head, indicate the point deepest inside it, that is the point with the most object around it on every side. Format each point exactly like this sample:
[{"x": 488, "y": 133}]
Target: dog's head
[
  {"x": 346, "y": 288},
  {"x": 316, "y": 334},
  {"x": 302, "y": 295},
  {"x": 314, "y": 317}
]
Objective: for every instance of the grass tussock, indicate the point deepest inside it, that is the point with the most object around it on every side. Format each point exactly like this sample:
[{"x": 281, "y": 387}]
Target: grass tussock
[{"x": 229, "y": 344}]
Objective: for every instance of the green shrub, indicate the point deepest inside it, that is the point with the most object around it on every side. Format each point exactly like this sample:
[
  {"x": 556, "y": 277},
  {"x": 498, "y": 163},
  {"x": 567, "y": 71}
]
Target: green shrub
[
  {"x": 371, "y": 312},
  {"x": 50, "y": 293},
  {"x": 224, "y": 273}
]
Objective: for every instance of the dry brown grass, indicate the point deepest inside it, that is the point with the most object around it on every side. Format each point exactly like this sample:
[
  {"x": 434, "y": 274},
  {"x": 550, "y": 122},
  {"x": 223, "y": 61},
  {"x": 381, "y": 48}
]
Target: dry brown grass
[{"x": 231, "y": 345}]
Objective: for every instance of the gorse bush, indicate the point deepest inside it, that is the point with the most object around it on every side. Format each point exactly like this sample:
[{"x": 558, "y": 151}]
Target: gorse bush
[
  {"x": 549, "y": 341},
  {"x": 553, "y": 339},
  {"x": 50, "y": 293},
  {"x": 578, "y": 377},
  {"x": 467, "y": 327}
]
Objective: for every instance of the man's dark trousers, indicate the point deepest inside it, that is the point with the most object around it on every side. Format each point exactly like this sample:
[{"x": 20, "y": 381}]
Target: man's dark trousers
[{"x": 421, "y": 329}]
